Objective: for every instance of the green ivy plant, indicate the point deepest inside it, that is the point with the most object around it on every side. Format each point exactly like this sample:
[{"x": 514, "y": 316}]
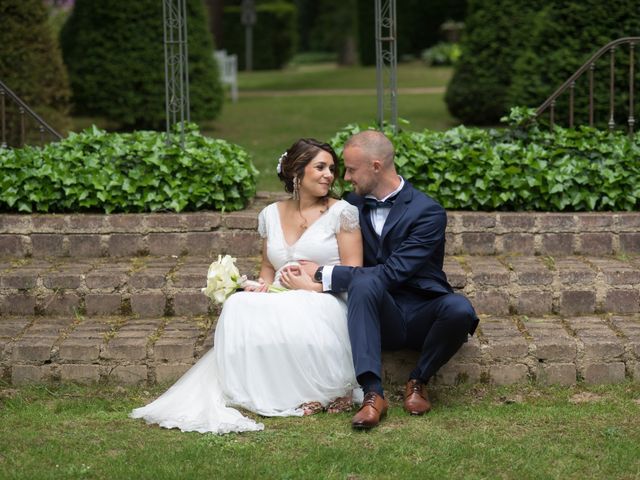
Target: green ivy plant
[
  {"x": 127, "y": 172},
  {"x": 522, "y": 167},
  {"x": 443, "y": 53}
]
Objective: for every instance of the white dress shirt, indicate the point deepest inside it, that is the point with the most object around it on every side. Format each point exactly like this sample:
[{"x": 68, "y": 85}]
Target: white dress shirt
[{"x": 378, "y": 216}]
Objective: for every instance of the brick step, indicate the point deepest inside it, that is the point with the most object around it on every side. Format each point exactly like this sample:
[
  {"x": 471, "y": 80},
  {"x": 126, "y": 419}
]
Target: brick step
[
  {"x": 126, "y": 350},
  {"x": 211, "y": 233},
  {"x": 170, "y": 285}
]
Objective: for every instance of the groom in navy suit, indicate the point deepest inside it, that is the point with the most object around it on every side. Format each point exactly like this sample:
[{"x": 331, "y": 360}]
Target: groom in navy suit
[{"x": 400, "y": 298}]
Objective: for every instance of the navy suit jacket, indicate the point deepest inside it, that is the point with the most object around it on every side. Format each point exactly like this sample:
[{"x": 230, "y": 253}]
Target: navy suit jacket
[{"x": 410, "y": 251}]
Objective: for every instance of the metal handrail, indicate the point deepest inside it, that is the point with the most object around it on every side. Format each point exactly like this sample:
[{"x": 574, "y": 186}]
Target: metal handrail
[
  {"x": 590, "y": 65},
  {"x": 23, "y": 108}
]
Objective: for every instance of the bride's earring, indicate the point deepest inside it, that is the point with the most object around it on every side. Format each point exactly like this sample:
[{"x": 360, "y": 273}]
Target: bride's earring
[{"x": 296, "y": 188}]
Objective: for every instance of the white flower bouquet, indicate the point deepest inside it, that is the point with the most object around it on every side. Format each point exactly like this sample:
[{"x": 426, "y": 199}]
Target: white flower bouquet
[{"x": 223, "y": 278}]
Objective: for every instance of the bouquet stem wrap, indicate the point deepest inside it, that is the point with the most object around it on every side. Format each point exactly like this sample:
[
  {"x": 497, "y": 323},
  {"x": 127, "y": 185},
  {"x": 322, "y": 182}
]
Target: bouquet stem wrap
[{"x": 223, "y": 278}]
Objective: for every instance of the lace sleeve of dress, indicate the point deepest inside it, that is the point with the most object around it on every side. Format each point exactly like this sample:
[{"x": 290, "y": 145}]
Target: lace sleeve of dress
[
  {"x": 262, "y": 223},
  {"x": 349, "y": 219}
]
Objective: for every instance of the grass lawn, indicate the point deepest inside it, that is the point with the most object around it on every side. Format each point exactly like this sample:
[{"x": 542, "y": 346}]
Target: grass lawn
[
  {"x": 268, "y": 123},
  {"x": 330, "y": 76},
  {"x": 521, "y": 432},
  {"x": 266, "y": 126}
]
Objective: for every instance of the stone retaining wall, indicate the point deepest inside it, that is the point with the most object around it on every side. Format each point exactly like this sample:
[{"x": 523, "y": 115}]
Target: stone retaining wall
[
  {"x": 117, "y": 297},
  {"x": 206, "y": 233}
]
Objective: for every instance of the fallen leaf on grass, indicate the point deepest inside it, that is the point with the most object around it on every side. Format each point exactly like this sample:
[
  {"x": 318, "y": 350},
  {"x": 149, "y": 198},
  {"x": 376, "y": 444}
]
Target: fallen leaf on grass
[
  {"x": 637, "y": 401},
  {"x": 585, "y": 397}
]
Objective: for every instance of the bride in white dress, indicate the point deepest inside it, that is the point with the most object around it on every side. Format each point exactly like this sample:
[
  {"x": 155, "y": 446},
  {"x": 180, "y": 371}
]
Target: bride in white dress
[{"x": 278, "y": 354}]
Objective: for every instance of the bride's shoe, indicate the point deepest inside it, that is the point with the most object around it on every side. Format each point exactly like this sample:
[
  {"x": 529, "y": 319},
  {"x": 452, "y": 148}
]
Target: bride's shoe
[
  {"x": 311, "y": 408},
  {"x": 340, "y": 405}
]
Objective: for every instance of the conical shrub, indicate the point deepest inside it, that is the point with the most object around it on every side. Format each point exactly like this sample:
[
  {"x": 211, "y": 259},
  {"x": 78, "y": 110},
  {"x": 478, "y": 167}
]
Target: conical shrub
[
  {"x": 31, "y": 65},
  {"x": 114, "y": 52}
]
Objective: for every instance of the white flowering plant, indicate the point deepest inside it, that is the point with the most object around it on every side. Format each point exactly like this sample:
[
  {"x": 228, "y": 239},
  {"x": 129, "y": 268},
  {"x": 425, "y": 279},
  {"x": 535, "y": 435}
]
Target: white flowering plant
[{"x": 223, "y": 278}]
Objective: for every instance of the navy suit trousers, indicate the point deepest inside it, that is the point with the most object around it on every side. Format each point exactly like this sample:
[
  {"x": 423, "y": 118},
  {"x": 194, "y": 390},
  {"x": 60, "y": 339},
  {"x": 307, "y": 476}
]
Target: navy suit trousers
[{"x": 434, "y": 323}]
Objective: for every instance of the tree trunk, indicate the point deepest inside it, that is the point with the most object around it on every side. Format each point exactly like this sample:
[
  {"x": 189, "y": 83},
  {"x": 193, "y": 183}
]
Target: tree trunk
[
  {"x": 214, "y": 9},
  {"x": 348, "y": 54}
]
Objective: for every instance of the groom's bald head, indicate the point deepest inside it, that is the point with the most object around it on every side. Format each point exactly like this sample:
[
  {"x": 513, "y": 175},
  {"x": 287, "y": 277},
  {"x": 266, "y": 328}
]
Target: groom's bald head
[{"x": 375, "y": 145}]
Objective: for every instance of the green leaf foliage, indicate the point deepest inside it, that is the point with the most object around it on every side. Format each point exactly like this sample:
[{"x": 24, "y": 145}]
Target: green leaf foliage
[
  {"x": 114, "y": 52},
  {"x": 523, "y": 167},
  {"x": 443, "y": 53},
  {"x": 127, "y": 172},
  {"x": 274, "y": 34}
]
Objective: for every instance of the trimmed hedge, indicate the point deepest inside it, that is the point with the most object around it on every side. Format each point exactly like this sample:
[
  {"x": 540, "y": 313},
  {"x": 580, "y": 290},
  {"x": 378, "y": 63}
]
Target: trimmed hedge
[
  {"x": 274, "y": 35},
  {"x": 31, "y": 65},
  {"x": 495, "y": 33},
  {"x": 126, "y": 172},
  {"x": 519, "y": 168},
  {"x": 334, "y": 29},
  {"x": 366, "y": 32},
  {"x": 115, "y": 55},
  {"x": 518, "y": 52},
  {"x": 562, "y": 38}
]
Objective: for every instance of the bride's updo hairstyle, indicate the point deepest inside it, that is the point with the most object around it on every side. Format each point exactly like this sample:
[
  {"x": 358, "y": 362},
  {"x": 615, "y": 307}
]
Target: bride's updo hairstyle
[{"x": 293, "y": 162}]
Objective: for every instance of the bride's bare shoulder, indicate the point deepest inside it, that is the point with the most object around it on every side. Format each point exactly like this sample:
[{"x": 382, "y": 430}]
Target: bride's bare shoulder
[
  {"x": 333, "y": 201},
  {"x": 283, "y": 205}
]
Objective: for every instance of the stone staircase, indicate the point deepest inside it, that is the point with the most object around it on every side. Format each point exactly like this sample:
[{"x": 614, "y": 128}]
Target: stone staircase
[{"x": 117, "y": 298}]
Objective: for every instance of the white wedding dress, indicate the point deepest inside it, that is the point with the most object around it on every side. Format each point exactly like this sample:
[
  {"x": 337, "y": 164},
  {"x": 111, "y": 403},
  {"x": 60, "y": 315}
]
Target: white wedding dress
[{"x": 272, "y": 351}]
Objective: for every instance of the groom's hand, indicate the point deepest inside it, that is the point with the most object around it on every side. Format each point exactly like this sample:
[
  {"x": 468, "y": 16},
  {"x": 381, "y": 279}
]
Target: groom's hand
[{"x": 308, "y": 267}]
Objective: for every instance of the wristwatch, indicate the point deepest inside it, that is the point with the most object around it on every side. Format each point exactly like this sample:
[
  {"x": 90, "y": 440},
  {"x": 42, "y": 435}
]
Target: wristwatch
[{"x": 317, "y": 277}]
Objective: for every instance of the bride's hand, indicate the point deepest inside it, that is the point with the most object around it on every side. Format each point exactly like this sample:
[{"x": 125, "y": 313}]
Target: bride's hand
[
  {"x": 259, "y": 286},
  {"x": 295, "y": 278},
  {"x": 309, "y": 267}
]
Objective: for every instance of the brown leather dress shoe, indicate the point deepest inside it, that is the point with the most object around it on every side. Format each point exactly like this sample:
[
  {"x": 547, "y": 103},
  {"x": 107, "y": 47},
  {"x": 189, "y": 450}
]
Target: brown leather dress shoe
[
  {"x": 416, "y": 400},
  {"x": 374, "y": 407}
]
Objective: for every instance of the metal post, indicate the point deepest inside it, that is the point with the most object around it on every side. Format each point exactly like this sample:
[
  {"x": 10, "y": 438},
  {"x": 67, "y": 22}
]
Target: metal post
[
  {"x": 631, "y": 121},
  {"x": 181, "y": 69},
  {"x": 612, "y": 76},
  {"x": 248, "y": 53},
  {"x": 166, "y": 69},
  {"x": 248, "y": 19},
  {"x": 386, "y": 61},
  {"x": 176, "y": 65},
  {"x": 2, "y": 116},
  {"x": 186, "y": 60}
]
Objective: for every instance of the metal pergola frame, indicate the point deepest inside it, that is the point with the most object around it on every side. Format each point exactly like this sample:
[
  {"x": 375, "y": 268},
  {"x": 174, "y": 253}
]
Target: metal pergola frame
[
  {"x": 176, "y": 65},
  {"x": 386, "y": 62}
]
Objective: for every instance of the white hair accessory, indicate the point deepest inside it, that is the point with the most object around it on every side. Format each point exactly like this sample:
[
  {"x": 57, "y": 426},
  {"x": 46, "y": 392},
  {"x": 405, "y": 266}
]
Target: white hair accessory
[{"x": 279, "y": 167}]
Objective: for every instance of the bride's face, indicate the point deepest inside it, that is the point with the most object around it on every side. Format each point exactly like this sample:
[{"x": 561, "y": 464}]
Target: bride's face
[{"x": 318, "y": 175}]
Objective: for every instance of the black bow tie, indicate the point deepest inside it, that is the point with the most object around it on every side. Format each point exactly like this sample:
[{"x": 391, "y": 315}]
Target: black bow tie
[{"x": 374, "y": 203}]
